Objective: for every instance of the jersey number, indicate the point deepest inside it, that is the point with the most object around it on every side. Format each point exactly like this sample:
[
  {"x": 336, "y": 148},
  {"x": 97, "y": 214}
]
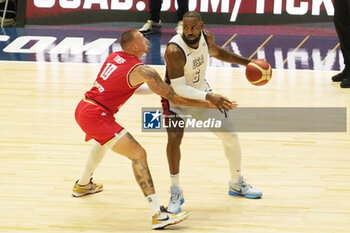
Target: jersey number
[
  {"x": 108, "y": 70},
  {"x": 196, "y": 76}
]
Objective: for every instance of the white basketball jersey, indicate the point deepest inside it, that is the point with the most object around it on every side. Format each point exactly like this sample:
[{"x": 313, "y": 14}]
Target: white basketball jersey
[{"x": 196, "y": 62}]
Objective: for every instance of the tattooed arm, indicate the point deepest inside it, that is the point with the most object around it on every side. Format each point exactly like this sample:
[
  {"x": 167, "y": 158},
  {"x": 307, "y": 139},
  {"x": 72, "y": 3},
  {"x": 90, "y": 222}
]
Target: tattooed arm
[{"x": 150, "y": 76}]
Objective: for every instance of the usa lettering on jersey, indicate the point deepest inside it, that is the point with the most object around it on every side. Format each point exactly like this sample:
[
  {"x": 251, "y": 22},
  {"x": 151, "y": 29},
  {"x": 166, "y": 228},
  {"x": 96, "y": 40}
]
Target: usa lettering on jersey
[{"x": 197, "y": 62}]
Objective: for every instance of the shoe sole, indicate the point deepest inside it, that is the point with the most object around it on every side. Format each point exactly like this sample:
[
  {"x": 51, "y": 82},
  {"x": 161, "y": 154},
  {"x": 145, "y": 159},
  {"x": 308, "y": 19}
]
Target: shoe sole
[
  {"x": 250, "y": 196},
  {"x": 160, "y": 227},
  {"x": 74, "y": 194}
]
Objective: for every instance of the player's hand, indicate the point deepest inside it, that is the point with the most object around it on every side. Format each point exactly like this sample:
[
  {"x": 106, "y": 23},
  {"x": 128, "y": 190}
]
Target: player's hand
[{"x": 220, "y": 102}]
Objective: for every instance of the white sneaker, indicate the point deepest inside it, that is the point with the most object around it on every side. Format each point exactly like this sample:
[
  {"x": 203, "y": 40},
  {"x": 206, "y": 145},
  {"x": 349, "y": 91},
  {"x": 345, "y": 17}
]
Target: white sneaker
[
  {"x": 179, "y": 27},
  {"x": 176, "y": 199},
  {"x": 150, "y": 27},
  {"x": 163, "y": 218},
  {"x": 241, "y": 188}
]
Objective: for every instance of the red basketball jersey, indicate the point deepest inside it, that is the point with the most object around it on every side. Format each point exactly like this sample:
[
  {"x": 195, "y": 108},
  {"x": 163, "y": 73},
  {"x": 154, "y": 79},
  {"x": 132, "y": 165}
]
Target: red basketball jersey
[{"x": 112, "y": 88}]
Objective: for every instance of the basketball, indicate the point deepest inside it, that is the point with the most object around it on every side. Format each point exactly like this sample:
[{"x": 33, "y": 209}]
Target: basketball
[{"x": 258, "y": 72}]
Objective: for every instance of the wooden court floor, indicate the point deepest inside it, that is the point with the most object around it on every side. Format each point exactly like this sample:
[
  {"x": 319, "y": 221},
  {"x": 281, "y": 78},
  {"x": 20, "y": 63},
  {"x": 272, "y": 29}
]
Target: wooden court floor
[{"x": 305, "y": 177}]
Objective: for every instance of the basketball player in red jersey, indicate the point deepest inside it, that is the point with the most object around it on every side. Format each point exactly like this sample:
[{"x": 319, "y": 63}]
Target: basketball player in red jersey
[
  {"x": 121, "y": 74},
  {"x": 186, "y": 62}
]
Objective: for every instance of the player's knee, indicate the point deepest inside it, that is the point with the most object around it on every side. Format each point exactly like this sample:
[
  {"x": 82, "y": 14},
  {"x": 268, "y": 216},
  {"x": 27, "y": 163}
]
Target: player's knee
[
  {"x": 229, "y": 137},
  {"x": 233, "y": 136},
  {"x": 140, "y": 154},
  {"x": 175, "y": 138}
]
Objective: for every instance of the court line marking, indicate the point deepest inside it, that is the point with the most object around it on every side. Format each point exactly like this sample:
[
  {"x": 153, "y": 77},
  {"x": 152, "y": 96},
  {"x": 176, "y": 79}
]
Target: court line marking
[
  {"x": 301, "y": 43},
  {"x": 335, "y": 47},
  {"x": 229, "y": 40},
  {"x": 262, "y": 45}
]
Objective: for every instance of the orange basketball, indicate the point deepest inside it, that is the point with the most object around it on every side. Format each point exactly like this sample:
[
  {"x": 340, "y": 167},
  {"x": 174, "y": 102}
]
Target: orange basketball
[{"x": 258, "y": 72}]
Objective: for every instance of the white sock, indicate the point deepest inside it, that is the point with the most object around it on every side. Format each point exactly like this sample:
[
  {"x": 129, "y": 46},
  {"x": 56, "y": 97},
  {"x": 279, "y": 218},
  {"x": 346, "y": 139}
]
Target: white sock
[
  {"x": 154, "y": 203},
  {"x": 96, "y": 155},
  {"x": 235, "y": 176},
  {"x": 175, "y": 179}
]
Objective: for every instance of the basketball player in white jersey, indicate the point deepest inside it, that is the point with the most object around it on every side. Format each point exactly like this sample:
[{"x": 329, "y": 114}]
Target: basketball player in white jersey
[{"x": 186, "y": 62}]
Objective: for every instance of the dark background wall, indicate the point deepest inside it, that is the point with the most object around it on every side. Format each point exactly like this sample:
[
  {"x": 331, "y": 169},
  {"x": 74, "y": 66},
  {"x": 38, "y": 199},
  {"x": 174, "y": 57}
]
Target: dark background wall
[{"x": 226, "y": 12}]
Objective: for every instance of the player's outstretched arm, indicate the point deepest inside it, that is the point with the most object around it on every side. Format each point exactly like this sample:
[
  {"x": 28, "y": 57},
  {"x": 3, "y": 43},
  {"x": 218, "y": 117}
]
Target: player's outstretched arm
[
  {"x": 157, "y": 85},
  {"x": 224, "y": 54}
]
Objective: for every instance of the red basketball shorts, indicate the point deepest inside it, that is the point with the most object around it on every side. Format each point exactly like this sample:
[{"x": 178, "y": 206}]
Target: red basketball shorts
[{"x": 97, "y": 122}]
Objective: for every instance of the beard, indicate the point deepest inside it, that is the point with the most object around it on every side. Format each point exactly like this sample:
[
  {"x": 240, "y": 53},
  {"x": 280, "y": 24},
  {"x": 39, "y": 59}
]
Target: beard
[{"x": 191, "y": 42}]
